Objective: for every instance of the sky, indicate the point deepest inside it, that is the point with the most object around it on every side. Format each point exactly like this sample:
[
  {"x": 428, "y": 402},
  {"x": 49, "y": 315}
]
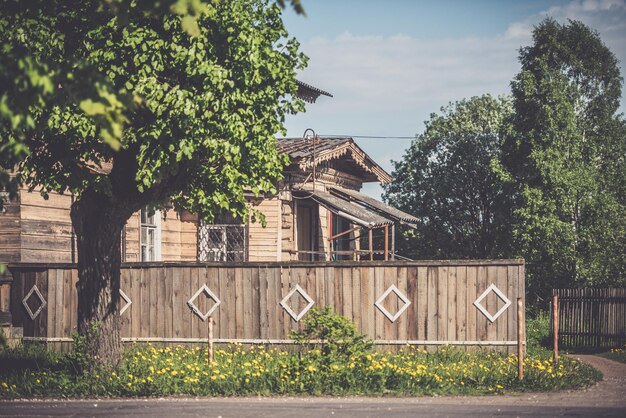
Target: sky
[{"x": 390, "y": 64}]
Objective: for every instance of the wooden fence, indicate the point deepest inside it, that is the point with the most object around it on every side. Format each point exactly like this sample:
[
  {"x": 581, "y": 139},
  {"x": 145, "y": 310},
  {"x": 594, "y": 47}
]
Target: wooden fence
[
  {"x": 427, "y": 303},
  {"x": 591, "y": 318}
]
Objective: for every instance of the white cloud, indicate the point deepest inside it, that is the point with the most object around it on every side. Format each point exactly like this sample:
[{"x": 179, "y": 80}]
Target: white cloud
[{"x": 390, "y": 85}]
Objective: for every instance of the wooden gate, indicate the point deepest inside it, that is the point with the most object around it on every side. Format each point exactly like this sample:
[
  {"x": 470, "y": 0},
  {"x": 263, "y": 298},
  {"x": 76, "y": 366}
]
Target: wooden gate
[{"x": 592, "y": 318}]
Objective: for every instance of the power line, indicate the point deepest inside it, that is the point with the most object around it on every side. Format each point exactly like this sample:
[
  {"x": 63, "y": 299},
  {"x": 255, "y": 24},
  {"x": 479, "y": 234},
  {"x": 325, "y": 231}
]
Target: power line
[{"x": 367, "y": 136}]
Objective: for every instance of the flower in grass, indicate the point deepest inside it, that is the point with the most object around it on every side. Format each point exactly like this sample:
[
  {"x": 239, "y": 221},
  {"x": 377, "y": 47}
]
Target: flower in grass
[
  {"x": 4, "y": 385},
  {"x": 174, "y": 372}
]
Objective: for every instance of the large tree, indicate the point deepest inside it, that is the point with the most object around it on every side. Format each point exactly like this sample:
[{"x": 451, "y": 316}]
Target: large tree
[
  {"x": 163, "y": 116},
  {"x": 567, "y": 156},
  {"x": 446, "y": 179}
]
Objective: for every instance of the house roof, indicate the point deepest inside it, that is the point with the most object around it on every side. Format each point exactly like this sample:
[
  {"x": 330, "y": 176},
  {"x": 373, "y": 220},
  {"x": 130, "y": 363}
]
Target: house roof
[
  {"x": 374, "y": 205},
  {"x": 357, "y": 207},
  {"x": 309, "y": 93},
  {"x": 346, "y": 209},
  {"x": 301, "y": 151}
]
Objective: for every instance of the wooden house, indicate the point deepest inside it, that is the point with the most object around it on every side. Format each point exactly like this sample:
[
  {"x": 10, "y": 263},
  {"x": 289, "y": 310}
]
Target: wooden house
[{"x": 318, "y": 214}]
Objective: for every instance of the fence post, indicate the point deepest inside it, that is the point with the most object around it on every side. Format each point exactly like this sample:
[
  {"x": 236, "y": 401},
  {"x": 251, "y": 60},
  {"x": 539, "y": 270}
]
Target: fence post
[
  {"x": 210, "y": 350},
  {"x": 555, "y": 327},
  {"x": 520, "y": 339}
]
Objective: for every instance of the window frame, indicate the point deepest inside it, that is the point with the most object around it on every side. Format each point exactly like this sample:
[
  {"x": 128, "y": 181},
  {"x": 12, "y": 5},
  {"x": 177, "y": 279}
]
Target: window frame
[{"x": 151, "y": 224}]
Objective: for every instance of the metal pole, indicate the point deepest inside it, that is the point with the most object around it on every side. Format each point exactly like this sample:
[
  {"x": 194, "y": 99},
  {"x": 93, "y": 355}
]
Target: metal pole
[
  {"x": 520, "y": 339},
  {"x": 314, "y": 164},
  {"x": 210, "y": 350},
  {"x": 555, "y": 327}
]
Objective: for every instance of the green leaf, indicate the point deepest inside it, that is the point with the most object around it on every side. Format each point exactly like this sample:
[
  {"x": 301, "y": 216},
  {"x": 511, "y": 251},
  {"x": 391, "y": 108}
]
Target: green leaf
[
  {"x": 92, "y": 108},
  {"x": 190, "y": 25}
]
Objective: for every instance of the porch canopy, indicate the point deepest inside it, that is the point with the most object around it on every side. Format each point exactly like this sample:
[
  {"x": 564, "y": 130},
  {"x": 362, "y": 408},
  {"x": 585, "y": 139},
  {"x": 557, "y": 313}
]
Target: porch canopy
[{"x": 361, "y": 210}]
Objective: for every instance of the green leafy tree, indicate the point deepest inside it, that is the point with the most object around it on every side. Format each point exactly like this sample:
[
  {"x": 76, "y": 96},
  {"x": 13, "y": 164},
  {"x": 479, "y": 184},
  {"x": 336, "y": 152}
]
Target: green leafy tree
[
  {"x": 27, "y": 83},
  {"x": 446, "y": 180},
  {"x": 127, "y": 109},
  {"x": 567, "y": 159}
]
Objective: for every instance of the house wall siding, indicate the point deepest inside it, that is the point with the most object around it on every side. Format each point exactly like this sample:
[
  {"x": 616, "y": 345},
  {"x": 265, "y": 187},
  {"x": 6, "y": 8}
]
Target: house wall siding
[
  {"x": 263, "y": 243},
  {"x": 46, "y": 228},
  {"x": 38, "y": 230},
  {"x": 10, "y": 232}
]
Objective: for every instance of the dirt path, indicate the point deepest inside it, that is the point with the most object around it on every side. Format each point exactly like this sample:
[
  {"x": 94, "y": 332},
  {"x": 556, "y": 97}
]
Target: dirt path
[{"x": 609, "y": 392}]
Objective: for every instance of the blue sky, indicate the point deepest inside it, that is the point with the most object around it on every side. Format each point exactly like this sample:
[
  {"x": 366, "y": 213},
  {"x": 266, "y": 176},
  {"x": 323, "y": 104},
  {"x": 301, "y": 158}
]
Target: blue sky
[{"x": 390, "y": 64}]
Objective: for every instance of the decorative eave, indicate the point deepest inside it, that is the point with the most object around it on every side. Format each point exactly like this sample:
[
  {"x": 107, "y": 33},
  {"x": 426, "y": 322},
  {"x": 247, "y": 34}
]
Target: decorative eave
[
  {"x": 358, "y": 156},
  {"x": 309, "y": 93}
]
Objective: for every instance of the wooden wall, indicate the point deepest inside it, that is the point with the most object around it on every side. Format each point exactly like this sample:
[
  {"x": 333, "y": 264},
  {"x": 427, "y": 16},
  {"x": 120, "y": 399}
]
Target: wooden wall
[
  {"x": 178, "y": 236},
  {"x": 265, "y": 244},
  {"x": 34, "y": 229},
  {"x": 441, "y": 295},
  {"x": 10, "y": 234}
]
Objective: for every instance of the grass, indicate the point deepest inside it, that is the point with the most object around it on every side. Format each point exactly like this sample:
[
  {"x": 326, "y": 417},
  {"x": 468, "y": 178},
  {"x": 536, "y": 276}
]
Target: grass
[
  {"x": 344, "y": 365},
  {"x": 159, "y": 371},
  {"x": 617, "y": 354}
]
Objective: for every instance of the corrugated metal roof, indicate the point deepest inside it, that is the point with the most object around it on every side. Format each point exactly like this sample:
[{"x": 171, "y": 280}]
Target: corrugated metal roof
[
  {"x": 376, "y": 205},
  {"x": 346, "y": 209}
]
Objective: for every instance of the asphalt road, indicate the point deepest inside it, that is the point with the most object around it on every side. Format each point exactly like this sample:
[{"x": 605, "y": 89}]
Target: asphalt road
[
  {"x": 300, "y": 408},
  {"x": 606, "y": 399}
]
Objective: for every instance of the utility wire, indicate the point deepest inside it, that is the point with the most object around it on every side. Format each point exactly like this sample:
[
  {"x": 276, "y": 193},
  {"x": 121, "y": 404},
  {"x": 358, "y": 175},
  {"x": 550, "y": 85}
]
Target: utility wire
[{"x": 367, "y": 136}]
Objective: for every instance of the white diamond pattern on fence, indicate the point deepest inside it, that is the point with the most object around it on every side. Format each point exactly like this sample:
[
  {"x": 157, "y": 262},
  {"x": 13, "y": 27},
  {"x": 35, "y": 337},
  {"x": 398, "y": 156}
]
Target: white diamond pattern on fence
[
  {"x": 126, "y": 299},
  {"x": 42, "y": 302},
  {"x": 484, "y": 311},
  {"x": 285, "y": 303},
  {"x": 204, "y": 289},
  {"x": 400, "y": 295}
]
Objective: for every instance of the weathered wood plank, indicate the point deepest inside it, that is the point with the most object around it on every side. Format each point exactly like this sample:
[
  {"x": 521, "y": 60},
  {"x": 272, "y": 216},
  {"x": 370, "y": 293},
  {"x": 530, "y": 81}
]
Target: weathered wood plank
[
  {"x": 422, "y": 302},
  {"x": 256, "y": 312},
  {"x": 232, "y": 302},
  {"x": 379, "y": 281},
  {"x": 168, "y": 304},
  {"x": 490, "y": 303},
  {"x": 432, "y": 319},
  {"x": 239, "y": 303},
  {"x": 264, "y": 322},
  {"x": 452, "y": 304},
  {"x": 442, "y": 303},
  {"x": 355, "y": 290}
]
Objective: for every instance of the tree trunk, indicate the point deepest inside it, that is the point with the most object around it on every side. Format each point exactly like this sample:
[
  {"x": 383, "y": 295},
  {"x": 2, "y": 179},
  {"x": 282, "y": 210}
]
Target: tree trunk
[{"x": 98, "y": 224}]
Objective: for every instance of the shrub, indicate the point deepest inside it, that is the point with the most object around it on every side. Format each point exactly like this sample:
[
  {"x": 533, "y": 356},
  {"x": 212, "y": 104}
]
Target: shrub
[
  {"x": 3, "y": 340},
  {"x": 538, "y": 332},
  {"x": 333, "y": 334}
]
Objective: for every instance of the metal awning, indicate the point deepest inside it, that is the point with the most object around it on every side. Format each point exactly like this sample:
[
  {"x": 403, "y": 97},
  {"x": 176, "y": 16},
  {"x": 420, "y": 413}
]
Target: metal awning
[
  {"x": 346, "y": 209},
  {"x": 376, "y": 206},
  {"x": 358, "y": 208}
]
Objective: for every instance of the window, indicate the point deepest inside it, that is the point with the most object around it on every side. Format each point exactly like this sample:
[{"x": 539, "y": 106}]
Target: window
[
  {"x": 150, "y": 235},
  {"x": 225, "y": 240},
  {"x": 307, "y": 230},
  {"x": 343, "y": 244}
]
